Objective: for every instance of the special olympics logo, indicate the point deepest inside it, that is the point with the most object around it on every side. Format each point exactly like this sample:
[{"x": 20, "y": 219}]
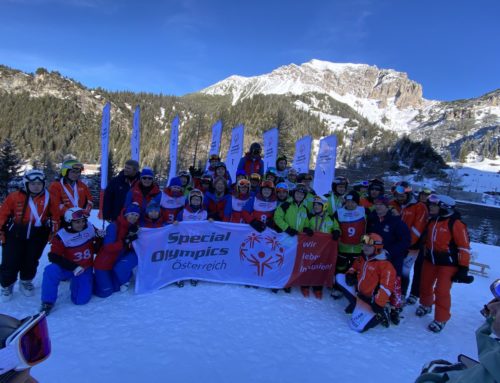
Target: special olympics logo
[{"x": 262, "y": 251}]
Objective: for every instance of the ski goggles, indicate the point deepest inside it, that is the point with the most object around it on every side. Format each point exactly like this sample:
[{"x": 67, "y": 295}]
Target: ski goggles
[
  {"x": 426, "y": 191},
  {"x": 367, "y": 240},
  {"x": 35, "y": 177},
  {"x": 363, "y": 184},
  {"x": 26, "y": 346},
  {"x": 495, "y": 288},
  {"x": 78, "y": 214},
  {"x": 433, "y": 199}
]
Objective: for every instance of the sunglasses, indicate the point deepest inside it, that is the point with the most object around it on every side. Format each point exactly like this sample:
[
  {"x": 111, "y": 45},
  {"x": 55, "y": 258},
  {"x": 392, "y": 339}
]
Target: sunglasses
[
  {"x": 147, "y": 178},
  {"x": 28, "y": 345}
]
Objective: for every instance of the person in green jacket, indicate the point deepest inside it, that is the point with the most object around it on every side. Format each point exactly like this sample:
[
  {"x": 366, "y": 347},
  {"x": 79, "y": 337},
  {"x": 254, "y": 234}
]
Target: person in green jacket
[
  {"x": 318, "y": 221},
  {"x": 336, "y": 197},
  {"x": 291, "y": 217},
  {"x": 487, "y": 370}
]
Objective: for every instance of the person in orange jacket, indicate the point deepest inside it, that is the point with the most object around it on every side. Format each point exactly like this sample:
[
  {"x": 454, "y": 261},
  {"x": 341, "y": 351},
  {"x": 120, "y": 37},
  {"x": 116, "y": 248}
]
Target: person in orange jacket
[
  {"x": 446, "y": 259},
  {"x": 69, "y": 191},
  {"x": 373, "y": 276},
  {"x": 27, "y": 218},
  {"x": 414, "y": 214}
]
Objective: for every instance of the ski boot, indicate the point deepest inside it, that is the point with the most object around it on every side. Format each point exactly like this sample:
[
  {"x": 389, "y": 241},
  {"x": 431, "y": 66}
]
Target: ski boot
[
  {"x": 194, "y": 282},
  {"x": 305, "y": 291},
  {"x": 46, "y": 307},
  {"x": 436, "y": 326},
  {"x": 6, "y": 293},
  {"x": 180, "y": 284},
  {"x": 411, "y": 300},
  {"x": 394, "y": 315},
  {"x": 26, "y": 288},
  {"x": 423, "y": 310}
]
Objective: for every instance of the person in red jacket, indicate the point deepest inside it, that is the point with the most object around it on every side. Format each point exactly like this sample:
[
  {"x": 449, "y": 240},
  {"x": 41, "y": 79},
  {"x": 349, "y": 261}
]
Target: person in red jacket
[
  {"x": 117, "y": 248},
  {"x": 153, "y": 217},
  {"x": 259, "y": 210},
  {"x": 71, "y": 256},
  {"x": 69, "y": 191},
  {"x": 144, "y": 191},
  {"x": 446, "y": 259},
  {"x": 172, "y": 200},
  {"x": 27, "y": 218},
  {"x": 233, "y": 211},
  {"x": 414, "y": 214},
  {"x": 252, "y": 162},
  {"x": 215, "y": 202},
  {"x": 373, "y": 277}
]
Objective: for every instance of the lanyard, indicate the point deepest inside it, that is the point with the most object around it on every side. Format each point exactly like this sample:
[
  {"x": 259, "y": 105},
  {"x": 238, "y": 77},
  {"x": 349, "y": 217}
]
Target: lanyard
[
  {"x": 34, "y": 212},
  {"x": 74, "y": 197}
]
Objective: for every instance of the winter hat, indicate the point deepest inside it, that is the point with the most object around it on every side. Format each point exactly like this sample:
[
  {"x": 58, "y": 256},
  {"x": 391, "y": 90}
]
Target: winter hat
[
  {"x": 176, "y": 181},
  {"x": 147, "y": 172},
  {"x": 152, "y": 206},
  {"x": 132, "y": 209},
  {"x": 353, "y": 196},
  {"x": 382, "y": 199}
]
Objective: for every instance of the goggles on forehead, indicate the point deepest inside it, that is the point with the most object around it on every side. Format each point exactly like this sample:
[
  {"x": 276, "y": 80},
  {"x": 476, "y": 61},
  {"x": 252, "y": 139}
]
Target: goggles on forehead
[
  {"x": 434, "y": 199},
  {"x": 367, "y": 240},
  {"x": 26, "y": 346},
  {"x": 426, "y": 191},
  {"x": 79, "y": 214}
]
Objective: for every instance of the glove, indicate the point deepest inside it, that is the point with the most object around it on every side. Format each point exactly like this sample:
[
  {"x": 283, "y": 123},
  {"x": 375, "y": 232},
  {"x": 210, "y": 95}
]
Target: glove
[
  {"x": 291, "y": 232},
  {"x": 351, "y": 279},
  {"x": 258, "y": 225},
  {"x": 308, "y": 231},
  {"x": 131, "y": 237},
  {"x": 439, "y": 366},
  {"x": 100, "y": 233},
  {"x": 78, "y": 271},
  {"x": 335, "y": 235},
  {"x": 2, "y": 237},
  {"x": 461, "y": 275},
  {"x": 195, "y": 172}
]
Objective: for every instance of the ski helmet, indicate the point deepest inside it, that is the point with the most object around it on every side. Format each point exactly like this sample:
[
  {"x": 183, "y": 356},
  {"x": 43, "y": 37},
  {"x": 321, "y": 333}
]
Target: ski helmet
[
  {"x": 255, "y": 177},
  {"x": 243, "y": 183},
  {"x": 185, "y": 174},
  {"x": 214, "y": 157},
  {"x": 255, "y": 148},
  {"x": 33, "y": 175},
  {"x": 446, "y": 204},
  {"x": 195, "y": 193},
  {"x": 74, "y": 214},
  {"x": 70, "y": 165},
  {"x": 339, "y": 180},
  {"x": 319, "y": 200},
  {"x": 267, "y": 184},
  {"x": 282, "y": 186}
]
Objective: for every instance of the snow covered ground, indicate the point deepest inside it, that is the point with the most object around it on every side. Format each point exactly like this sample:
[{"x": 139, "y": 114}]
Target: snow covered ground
[{"x": 228, "y": 333}]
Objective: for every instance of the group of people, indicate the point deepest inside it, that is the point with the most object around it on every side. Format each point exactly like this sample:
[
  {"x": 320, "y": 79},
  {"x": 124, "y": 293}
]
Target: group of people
[{"x": 380, "y": 236}]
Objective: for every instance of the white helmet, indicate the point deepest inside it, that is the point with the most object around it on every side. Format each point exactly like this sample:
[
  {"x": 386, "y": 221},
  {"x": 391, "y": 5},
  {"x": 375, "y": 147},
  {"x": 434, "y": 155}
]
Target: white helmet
[
  {"x": 73, "y": 214},
  {"x": 33, "y": 175}
]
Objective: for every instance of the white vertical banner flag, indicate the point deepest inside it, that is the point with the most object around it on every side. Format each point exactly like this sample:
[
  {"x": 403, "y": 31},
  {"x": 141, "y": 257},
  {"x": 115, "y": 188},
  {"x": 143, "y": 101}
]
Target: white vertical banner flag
[
  {"x": 136, "y": 134},
  {"x": 235, "y": 150},
  {"x": 325, "y": 165},
  {"x": 174, "y": 138},
  {"x": 215, "y": 142},
  {"x": 270, "y": 148},
  {"x": 302, "y": 155},
  {"x": 106, "y": 117}
]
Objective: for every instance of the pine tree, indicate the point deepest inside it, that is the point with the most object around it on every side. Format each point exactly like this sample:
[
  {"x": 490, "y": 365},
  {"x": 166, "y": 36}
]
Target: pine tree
[
  {"x": 486, "y": 234},
  {"x": 10, "y": 164}
]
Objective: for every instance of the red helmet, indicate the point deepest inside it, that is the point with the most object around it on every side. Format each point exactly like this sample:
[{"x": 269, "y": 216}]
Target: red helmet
[
  {"x": 375, "y": 240},
  {"x": 267, "y": 184}
]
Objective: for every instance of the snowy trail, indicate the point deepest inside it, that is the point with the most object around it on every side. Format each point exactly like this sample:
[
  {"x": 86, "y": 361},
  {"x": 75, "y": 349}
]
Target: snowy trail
[{"x": 229, "y": 333}]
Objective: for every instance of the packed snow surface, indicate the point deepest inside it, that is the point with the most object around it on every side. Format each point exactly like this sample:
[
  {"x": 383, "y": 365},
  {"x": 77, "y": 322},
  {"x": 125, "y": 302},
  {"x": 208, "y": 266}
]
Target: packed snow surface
[{"x": 229, "y": 333}]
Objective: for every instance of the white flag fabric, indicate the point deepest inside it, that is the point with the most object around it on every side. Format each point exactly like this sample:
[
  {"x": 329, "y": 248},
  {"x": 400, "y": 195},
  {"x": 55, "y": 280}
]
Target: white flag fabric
[
  {"x": 174, "y": 138},
  {"x": 302, "y": 154},
  {"x": 324, "y": 172},
  {"x": 270, "y": 148},
  {"x": 136, "y": 135},
  {"x": 215, "y": 142},
  {"x": 235, "y": 151},
  {"x": 231, "y": 253}
]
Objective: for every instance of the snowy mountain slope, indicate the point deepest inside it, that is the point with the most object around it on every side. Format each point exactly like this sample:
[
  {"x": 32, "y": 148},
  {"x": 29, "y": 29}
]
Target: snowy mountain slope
[
  {"x": 229, "y": 333},
  {"x": 384, "y": 96}
]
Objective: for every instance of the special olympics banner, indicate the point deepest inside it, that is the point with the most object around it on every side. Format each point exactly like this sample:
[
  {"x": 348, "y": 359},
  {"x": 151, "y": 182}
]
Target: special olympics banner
[
  {"x": 174, "y": 138},
  {"x": 104, "y": 153},
  {"x": 136, "y": 134},
  {"x": 231, "y": 253},
  {"x": 325, "y": 165},
  {"x": 235, "y": 150},
  {"x": 270, "y": 148},
  {"x": 302, "y": 155},
  {"x": 215, "y": 142}
]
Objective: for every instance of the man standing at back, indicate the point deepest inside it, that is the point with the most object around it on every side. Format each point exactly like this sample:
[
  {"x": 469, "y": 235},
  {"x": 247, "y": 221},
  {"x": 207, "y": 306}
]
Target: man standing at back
[{"x": 118, "y": 187}]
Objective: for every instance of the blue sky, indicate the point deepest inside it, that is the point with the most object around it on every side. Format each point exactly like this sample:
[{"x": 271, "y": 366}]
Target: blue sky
[{"x": 180, "y": 46}]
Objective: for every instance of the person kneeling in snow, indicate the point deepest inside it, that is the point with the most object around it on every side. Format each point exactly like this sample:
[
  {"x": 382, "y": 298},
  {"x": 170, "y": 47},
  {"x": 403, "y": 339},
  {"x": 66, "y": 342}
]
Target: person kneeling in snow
[
  {"x": 368, "y": 285},
  {"x": 72, "y": 255},
  {"x": 115, "y": 261}
]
